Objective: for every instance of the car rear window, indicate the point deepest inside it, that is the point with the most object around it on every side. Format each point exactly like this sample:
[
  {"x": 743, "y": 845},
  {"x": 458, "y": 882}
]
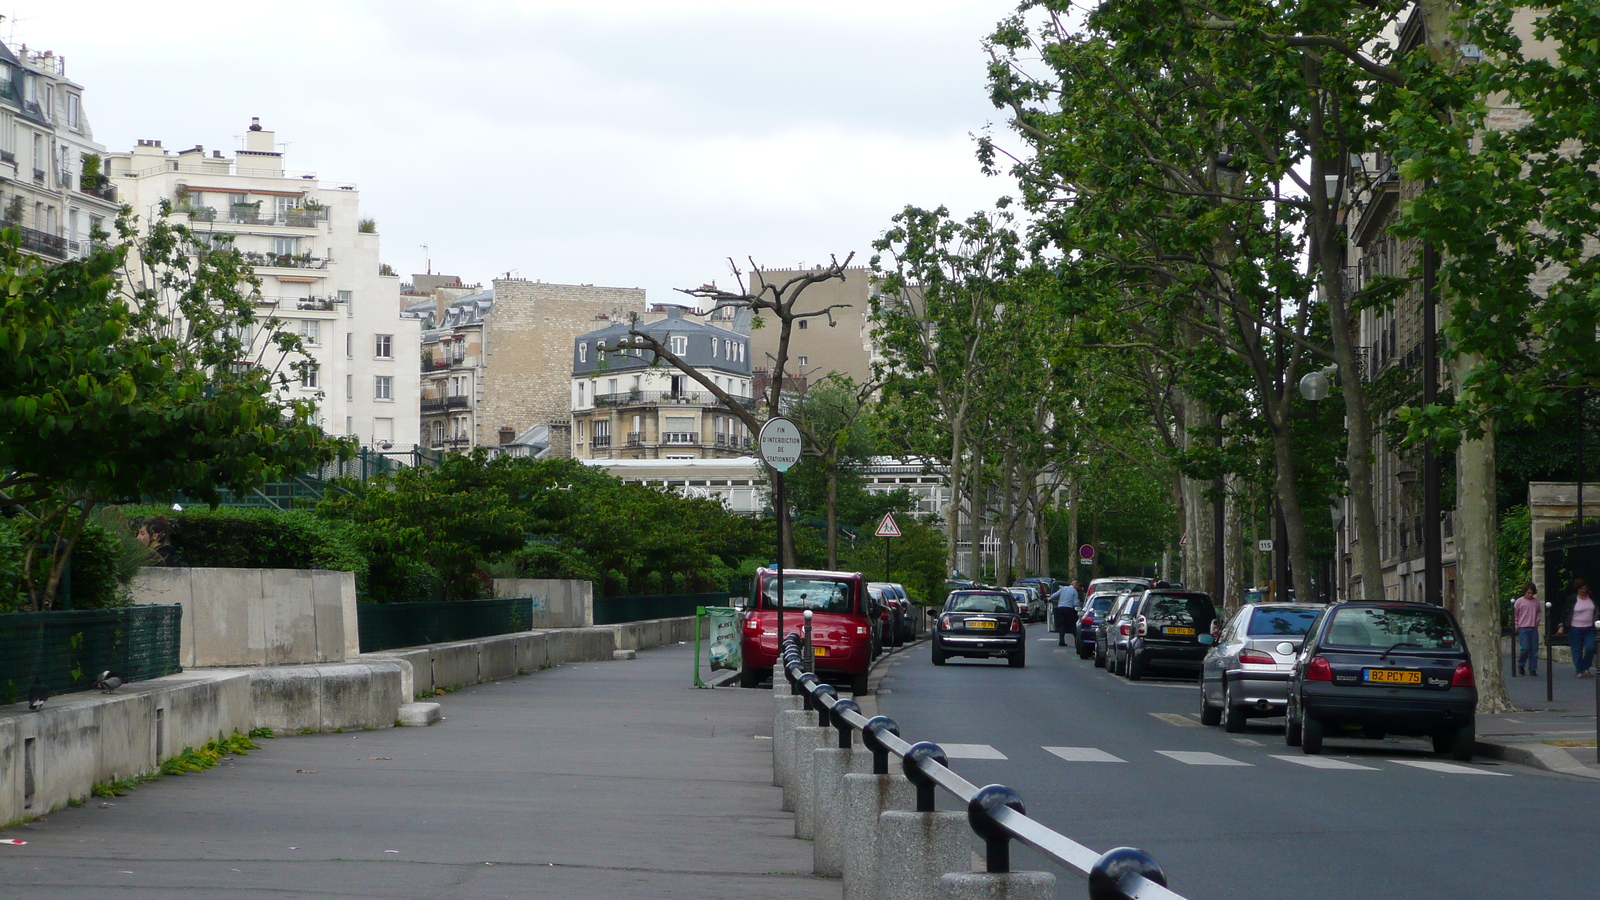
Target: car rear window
[
  {"x": 980, "y": 603},
  {"x": 1180, "y": 610},
  {"x": 1270, "y": 622},
  {"x": 1118, "y": 586},
  {"x": 1102, "y": 603},
  {"x": 816, "y": 594},
  {"x": 1376, "y": 626}
]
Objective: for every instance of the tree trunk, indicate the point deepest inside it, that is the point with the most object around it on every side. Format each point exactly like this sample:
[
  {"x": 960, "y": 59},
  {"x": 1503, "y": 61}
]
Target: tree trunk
[
  {"x": 1007, "y": 506},
  {"x": 1476, "y": 548},
  {"x": 1233, "y": 547},
  {"x": 1358, "y": 422},
  {"x": 978, "y": 501},
  {"x": 1042, "y": 526},
  {"x": 833, "y": 514},
  {"x": 1293, "y": 518},
  {"x": 952, "y": 520}
]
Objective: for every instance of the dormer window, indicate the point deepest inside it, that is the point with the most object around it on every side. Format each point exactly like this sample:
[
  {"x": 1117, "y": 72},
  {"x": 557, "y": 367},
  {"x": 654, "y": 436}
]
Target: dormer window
[
  {"x": 679, "y": 344},
  {"x": 583, "y": 352}
]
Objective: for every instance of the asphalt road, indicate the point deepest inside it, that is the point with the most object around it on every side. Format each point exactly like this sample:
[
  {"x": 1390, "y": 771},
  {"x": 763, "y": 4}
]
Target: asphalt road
[
  {"x": 1227, "y": 815},
  {"x": 595, "y": 780}
]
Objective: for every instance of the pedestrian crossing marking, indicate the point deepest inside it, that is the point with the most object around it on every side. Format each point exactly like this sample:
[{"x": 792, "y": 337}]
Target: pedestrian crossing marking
[
  {"x": 971, "y": 751},
  {"x": 1083, "y": 754},
  {"x": 1447, "y": 768},
  {"x": 1248, "y": 742},
  {"x": 1200, "y": 758},
  {"x": 1321, "y": 762},
  {"x": 1176, "y": 719}
]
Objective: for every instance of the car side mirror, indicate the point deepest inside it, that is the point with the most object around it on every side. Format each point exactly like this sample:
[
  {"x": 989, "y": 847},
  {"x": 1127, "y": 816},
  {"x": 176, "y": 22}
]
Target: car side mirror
[{"x": 1206, "y": 639}]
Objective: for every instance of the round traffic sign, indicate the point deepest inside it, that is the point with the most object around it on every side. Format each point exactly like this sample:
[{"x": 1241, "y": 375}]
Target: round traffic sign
[
  {"x": 780, "y": 443},
  {"x": 1086, "y": 551}
]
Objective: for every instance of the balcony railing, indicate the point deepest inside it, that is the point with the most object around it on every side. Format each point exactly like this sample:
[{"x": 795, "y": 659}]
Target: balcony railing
[
  {"x": 249, "y": 215},
  {"x": 635, "y": 439},
  {"x": 435, "y": 404},
  {"x": 601, "y": 442},
  {"x": 733, "y": 442},
  {"x": 286, "y": 261},
  {"x": 680, "y": 438},
  {"x": 43, "y": 243},
  {"x": 98, "y": 186},
  {"x": 680, "y": 398}
]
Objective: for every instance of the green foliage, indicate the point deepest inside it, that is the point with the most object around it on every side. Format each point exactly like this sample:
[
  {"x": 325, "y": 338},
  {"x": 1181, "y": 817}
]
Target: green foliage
[
  {"x": 915, "y": 560},
  {"x": 262, "y": 732},
  {"x": 193, "y": 759},
  {"x": 1514, "y": 544},
  {"x": 229, "y": 537}
]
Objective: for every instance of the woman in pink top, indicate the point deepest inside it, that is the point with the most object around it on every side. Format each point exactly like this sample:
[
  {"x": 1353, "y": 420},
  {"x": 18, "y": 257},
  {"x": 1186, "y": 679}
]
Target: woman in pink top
[
  {"x": 1580, "y": 628},
  {"x": 1525, "y": 616}
]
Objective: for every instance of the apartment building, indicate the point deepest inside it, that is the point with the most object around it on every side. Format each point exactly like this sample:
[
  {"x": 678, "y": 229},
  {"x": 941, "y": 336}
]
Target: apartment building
[
  {"x": 627, "y": 405},
  {"x": 496, "y": 368},
  {"x": 52, "y": 190},
  {"x": 818, "y": 346},
  {"x": 317, "y": 258}
]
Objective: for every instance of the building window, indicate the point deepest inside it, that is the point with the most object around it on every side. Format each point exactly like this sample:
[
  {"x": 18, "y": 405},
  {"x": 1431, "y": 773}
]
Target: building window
[
  {"x": 349, "y": 387},
  {"x": 583, "y": 352},
  {"x": 740, "y": 349},
  {"x": 312, "y": 376},
  {"x": 580, "y": 393},
  {"x": 804, "y": 362},
  {"x": 611, "y": 385},
  {"x": 713, "y": 348},
  {"x": 311, "y": 330},
  {"x": 348, "y": 344},
  {"x": 804, "y": 323},
  {"x": 679, "y": 344},
  {"x": 383, "y": 346},
  {"x": 438, "y": 434},
  {"x": 383, "y": 387},
  {"x": 285, "y": 246}
]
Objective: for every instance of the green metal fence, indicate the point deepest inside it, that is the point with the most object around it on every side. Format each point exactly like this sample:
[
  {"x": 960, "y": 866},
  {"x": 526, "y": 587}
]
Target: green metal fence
[
  {"x": 67, "y": 650},
  {"x": 616, "y": 610},
  {"x": 385, "y": 626}
]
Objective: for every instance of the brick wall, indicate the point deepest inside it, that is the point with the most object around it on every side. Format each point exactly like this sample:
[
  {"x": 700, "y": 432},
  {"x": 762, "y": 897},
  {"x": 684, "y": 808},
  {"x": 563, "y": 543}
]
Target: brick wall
[{"x": 528, "y": 342}]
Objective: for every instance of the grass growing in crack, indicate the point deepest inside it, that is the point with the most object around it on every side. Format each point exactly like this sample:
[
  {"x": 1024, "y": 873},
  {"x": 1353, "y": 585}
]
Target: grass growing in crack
[
  {"x": 198, "y": 760},
  {"x": 262, "y": 732}
]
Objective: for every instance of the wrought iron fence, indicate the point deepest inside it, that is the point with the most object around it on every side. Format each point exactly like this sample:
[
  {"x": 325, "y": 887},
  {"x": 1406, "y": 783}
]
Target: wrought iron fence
[{"x": 68, "y": 649}]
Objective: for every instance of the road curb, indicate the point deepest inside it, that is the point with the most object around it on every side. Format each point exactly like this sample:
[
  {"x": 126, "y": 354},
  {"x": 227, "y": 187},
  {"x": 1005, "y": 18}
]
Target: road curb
[
  {"x": 875, "y": 674},
  {"x": 1537, "y": 756}
]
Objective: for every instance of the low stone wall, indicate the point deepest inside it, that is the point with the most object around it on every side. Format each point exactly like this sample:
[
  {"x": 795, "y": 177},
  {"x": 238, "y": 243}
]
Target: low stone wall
[
  {"x": 556, "y": 603},
  {"x": 458, "y": 663},
  {"x": 257, "y": 617}
]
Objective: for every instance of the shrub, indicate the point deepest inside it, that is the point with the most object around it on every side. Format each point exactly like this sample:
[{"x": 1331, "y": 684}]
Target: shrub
[{"x": 259, "y": 538}]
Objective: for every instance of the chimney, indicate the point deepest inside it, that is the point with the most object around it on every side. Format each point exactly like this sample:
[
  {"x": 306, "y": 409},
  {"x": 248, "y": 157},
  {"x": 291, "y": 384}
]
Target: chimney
[{"x": 258, "y": 139}]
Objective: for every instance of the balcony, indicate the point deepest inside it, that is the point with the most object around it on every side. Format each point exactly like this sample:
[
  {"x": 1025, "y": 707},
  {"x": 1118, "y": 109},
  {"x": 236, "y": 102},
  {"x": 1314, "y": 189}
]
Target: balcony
[
  {"x": 635, "y": 439},
  {"x": 667, "y": 398},
  {"x": 439, "y": 404},
  {"x": 99, "y": 186},
  {"x": 601, "y": 442},
  {"x": 285, "y": 260},
  {"x": 43, "y": 243},
  {"x": 680, "y": 438},
  {"x": 250, "y": 214}
]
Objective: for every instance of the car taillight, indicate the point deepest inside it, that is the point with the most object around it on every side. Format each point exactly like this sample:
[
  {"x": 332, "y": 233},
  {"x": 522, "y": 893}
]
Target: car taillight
[
  {"x": 1319, "y": 670},
  {"x": 1125, "y": 629},
  {"x": 1143, "y": 626},
  {"x": 1252, "y": 658},
  {"x": 1088, "y": 619},
  {"x": 944, "y": 623},
  {"x": 752, "y": 624},
  {"x": 1463, "y": 676},
  {"x": 1016, "y": 625}
]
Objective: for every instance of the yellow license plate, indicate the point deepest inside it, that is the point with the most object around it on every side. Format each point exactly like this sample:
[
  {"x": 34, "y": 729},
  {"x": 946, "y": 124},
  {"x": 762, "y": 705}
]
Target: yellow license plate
[
  {"x": 987, "y": 625},
  {"x": 1393, "y": 676},
  {"x": 819, "y": 651},
  {"x": 1172, "y": 629}
]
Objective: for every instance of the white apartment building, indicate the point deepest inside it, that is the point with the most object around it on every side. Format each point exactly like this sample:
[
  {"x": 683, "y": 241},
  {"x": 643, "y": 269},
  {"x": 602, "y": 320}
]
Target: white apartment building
[
  {"x": 50, "y": 191},
  {"x": 319, "y": 268}
]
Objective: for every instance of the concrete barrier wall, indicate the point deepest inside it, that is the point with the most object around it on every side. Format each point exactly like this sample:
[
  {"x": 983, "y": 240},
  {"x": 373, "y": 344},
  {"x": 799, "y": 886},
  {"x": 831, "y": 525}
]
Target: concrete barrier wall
[
  {"x": 556, "y": 603},
  {"x": 257, "y": 617}
]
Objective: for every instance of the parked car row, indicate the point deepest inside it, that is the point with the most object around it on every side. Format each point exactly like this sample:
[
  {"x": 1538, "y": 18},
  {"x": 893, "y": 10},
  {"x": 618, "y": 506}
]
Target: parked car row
[{"x": 852, "y": 622}]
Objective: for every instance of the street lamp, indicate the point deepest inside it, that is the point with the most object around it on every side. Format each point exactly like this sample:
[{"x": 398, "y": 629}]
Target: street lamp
[{"x": 1318, "y": 383}]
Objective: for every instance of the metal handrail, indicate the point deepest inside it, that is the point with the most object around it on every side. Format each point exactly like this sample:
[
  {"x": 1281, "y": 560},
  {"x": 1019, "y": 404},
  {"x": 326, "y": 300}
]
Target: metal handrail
[{"x": 995, "y": 812}]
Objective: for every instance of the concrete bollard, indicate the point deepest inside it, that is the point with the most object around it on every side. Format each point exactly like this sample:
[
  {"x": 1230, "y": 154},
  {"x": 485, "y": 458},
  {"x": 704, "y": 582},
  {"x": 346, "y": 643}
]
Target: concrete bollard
[
  {"x": 783, "y": 749},
  {"x": 866, "y": 796},
  {"x": 916, "y": 849},
  {"x": 827, "y": 814},
  {"x": 807, "y": 741},
  {"x": 997, "y": 886},
  {"x": 781, "y": 703}
]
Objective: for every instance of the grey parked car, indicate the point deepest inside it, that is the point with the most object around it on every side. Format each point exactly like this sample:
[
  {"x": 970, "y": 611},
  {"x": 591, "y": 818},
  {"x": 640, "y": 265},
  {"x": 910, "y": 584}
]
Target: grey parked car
[
  {"x": 1246, "y": 673},
  {"x": 1113, "y": 633}
]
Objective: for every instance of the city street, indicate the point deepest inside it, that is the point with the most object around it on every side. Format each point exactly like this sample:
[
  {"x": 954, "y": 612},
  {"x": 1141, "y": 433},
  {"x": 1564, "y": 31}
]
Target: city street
[{"x": 1108, "y": 762}]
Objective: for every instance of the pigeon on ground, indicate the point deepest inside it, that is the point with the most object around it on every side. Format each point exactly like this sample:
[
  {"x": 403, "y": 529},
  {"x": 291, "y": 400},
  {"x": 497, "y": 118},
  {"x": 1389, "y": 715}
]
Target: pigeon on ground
[
  {"x": 37, "y": 694},
  {"x": 109, "y": 681}
]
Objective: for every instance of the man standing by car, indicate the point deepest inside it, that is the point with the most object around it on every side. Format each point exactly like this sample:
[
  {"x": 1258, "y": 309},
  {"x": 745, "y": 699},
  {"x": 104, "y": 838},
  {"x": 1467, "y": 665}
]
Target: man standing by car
[{"x": 1067, "y": 600}]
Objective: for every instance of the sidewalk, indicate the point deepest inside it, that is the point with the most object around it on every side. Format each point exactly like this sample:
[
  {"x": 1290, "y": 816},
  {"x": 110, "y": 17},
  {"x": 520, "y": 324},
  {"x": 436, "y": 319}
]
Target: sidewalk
[
  {"x": 1557, "y": 735},
  {"x": 590, "y": 780}
]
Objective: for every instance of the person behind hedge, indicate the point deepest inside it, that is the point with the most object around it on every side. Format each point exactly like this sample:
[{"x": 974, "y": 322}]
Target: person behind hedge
[
  {"x": 1526, "y": 615},
  {"x": 156, "y": 534},
  {"x": 1578, "y": 623}
]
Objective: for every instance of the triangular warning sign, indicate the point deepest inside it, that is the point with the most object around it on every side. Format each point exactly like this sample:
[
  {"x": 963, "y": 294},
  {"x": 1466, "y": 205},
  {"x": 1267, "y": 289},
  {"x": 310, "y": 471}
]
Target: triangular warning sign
[{"x": 888, "y": 528}]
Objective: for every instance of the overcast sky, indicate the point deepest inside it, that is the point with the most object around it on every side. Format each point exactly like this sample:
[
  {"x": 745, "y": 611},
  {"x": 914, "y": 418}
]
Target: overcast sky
[{"x": 635, "y": 143}]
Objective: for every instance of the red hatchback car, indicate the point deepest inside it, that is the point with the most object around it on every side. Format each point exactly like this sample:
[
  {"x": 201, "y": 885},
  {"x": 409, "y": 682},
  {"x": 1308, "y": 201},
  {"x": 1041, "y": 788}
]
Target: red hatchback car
[{"x": 841, "y": 625}]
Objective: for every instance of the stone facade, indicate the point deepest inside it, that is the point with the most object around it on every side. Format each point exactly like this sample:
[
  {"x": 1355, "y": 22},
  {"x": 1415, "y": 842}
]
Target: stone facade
[{"x": 815, "y": 347}]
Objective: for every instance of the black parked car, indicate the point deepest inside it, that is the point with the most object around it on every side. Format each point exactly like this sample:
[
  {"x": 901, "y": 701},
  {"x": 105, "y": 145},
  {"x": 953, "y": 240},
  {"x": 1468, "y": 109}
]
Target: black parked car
[
  {"x": 1099, "y": 605},
  {"x": 981, "y": 623},
  {"x": 1167, "y": 625},
  {"x": 1370, "y": 668}
]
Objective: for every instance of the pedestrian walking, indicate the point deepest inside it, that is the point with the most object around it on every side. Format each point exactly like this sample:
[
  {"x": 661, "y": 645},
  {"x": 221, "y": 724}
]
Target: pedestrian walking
[
  {"x": 1578, "y": 623},
  {"x": 1526, "y": 614},
  {"x": 1067, "y": 600}
]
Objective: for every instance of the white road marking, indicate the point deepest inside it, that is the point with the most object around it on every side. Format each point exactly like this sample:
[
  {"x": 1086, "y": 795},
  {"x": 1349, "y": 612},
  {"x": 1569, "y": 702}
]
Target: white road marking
[
  {"x": 1083, "y": 754},
  {"x": 971, "y": 751},
  {"x": 1321, "y": 762},
  {"x": 762, "y": 737},
  {"x": 1447, "y": 768},
  {"x": 1200, "y": 758},
  {"x": 1248, "y": 742},
  {"x": 1176, "y": 719}
]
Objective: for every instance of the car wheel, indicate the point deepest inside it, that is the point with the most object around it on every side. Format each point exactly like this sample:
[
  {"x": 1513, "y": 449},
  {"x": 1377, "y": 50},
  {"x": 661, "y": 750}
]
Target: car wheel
[
  {"x": 1465, "y": 744},
  {"x": 858, "y": 684},
  {"x": 1099, "y": 659},
  {"x": 1209, "y": 715},
  {"x": 1291, "y": 731},
  {"x": 1310, "y": 736},
  {"x": 1134, "y": 672},
  {"x": 938, "y": 657},
  {"x": 749, "y": 678},
  {"x": 1017, "y": 659},
  {"x": 1232, "y": 714},
  {"x": 1083, "y": 650}
]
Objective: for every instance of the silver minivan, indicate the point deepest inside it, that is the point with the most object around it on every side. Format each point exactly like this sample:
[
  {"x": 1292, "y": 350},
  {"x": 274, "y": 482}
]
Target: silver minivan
[{"x": 1246, "y": 673}]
